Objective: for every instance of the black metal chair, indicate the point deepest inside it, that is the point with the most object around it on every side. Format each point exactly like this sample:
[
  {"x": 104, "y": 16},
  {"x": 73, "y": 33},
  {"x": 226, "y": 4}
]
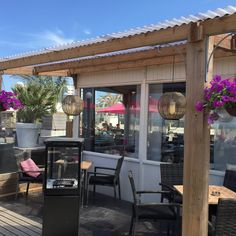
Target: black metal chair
[
  {"x": 106, "y": 179},
  {"x": 171, "y": 174},
  {"x": 225, "y": 222},
  {"x": 24, "y": 177},
  {"x": 230, "y": 180},
  {"x": 164, "y": 212}
]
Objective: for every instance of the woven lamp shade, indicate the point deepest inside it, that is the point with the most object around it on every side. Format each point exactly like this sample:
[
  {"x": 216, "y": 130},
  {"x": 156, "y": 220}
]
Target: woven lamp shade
[
  {"x": 72, "y": 105},
  {"x": 172, "y": 105}
]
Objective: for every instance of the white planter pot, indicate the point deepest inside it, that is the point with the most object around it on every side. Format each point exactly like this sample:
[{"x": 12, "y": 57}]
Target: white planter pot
[{"x": 27, "y": 134}]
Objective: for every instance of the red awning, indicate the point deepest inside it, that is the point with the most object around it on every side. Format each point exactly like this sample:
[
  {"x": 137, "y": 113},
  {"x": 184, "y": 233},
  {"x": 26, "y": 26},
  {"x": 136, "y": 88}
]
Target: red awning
[{"x": 119, "y": 108}]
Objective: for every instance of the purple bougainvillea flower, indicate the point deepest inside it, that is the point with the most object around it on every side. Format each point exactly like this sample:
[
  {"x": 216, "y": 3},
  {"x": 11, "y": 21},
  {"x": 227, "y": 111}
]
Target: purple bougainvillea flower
[
  {"x": 199, "y": 106},
  {"x": 216, "y": 79},
  {"x": 226, "y": 99},
  {"x": 9, "y": 100},
  {"x": 218, "y": 94},
  {"x": 218, "y": 104}
]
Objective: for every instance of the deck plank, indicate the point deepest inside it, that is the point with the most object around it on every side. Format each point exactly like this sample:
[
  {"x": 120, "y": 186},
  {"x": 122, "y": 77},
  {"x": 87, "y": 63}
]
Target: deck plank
[
  {"x": 28, "y": 228},
  {"x": 5, "y": 232},
  {"x": 12, "y": 223}
]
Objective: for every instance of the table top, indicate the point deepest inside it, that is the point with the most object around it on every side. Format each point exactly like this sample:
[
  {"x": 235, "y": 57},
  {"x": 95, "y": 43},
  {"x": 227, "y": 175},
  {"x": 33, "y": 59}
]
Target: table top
[
  {"x": 215, "y": 192},
  {"x": 85, "y": 165}
]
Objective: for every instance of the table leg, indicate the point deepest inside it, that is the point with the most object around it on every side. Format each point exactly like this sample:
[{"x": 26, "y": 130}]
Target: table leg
[{"x": 85, "y": 185}]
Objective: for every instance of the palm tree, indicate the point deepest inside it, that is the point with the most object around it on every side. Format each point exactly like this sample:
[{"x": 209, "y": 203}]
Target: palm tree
[
  {"x": 108, "y": 100},
  {"x": 39, "y": 95}
]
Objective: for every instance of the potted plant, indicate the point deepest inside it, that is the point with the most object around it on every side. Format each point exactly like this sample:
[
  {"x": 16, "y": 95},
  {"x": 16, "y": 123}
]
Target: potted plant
[
  {"x": 219, "y": 95},
  {"x": 39, "y": 96}
]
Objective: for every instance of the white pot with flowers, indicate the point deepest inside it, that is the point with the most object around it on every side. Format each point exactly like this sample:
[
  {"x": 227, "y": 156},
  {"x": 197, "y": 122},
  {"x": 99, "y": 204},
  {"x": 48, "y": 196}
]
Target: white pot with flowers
[{"x": 219, "y": 95}]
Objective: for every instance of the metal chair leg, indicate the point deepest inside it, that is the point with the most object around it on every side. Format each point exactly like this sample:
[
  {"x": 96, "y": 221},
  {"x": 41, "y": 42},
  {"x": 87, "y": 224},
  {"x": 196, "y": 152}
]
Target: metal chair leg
[
  {"x": 119, "y": 190},
  {"x": 94, "y": 189},
  {"x": 131, "y": 225},
  {"x": 114, "y": 191},
  {"x": 17, "y": 190},
  {"x": 87, "y": 192},
  {"x": 27, "y": 189}
]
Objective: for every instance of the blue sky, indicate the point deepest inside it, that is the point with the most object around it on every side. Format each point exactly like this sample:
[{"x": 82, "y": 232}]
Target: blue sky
[{"x": 27, "y": 25}]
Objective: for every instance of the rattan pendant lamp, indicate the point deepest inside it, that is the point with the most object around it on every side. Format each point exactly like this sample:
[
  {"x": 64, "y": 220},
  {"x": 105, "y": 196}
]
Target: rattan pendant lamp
[{"x": 171, "y": 105}]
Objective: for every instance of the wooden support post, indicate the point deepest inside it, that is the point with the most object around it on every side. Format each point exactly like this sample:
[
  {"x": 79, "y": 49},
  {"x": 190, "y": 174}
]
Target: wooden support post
[
  {"x": 69, "y": 128},
  {"x": 1, "y": 79},
  {"x": 196, "y": 140}
]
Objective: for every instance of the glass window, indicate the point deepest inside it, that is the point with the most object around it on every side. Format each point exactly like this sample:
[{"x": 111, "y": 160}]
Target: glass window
[
  {"x": 111, "y": 119},
  {"x": 165, "y": 137},
  {"x": 223, "y": 143}
]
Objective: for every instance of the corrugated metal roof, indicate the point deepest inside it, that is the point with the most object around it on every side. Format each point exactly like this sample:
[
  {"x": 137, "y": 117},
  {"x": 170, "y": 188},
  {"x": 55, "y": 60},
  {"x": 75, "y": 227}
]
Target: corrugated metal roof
[{"x": 229, "y": 10}]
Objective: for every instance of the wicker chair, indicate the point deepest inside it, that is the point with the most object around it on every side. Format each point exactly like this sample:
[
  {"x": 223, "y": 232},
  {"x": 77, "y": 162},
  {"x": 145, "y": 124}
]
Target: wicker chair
[
  {"x": 230, "y": 180},
  {"x": 171, "y": 174},
  {"x": 166, "y": 212},
  {"x": 106, "y": 179},
  {"x": 225, "y": 223}
]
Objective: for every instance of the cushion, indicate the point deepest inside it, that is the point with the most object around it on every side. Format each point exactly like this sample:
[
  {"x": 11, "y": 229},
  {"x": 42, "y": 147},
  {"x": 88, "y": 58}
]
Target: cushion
[{"x": 30, "y": 167}]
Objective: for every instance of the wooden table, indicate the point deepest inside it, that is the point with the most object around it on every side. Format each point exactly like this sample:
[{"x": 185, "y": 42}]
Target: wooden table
[
  {"x": 222, "y": 191},
  {"x": 85, "y": 165}
]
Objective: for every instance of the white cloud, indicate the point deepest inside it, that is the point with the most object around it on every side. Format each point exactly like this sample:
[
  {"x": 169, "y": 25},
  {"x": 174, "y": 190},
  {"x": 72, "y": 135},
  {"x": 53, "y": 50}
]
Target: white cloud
[
  {"x": 87, "y": 31},
  {"x": 55, "y": 37}
]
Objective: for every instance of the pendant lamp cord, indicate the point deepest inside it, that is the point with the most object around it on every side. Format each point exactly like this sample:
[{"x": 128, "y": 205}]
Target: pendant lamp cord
[{"x": 173, "y": 72}]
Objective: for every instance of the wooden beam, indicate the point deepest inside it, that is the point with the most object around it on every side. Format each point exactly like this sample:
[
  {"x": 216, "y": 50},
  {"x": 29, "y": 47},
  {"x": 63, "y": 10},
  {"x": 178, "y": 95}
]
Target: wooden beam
[
  {"x": 156, "y": 56},
  {"x": 220, "y": 25},
  {"x": 30, "y": 71},
  {"x": 129, "y": 64},
  {"x": 98, "y": 64},
  {"x": 196, "y": 144},
  {"x": 219, "y": 53},
  {"x": 19, "y": 71},
  {"x": 157, "y": 52}
]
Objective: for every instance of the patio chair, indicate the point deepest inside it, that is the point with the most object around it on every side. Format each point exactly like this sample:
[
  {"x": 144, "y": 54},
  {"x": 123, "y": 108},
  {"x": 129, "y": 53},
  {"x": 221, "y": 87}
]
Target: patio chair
[
  {"x": 225, "y": 222},
  {"x": 171, "y": 174},
  {"x": 106, "y": 179},
  {"x": 230, "y": 180},
  {"x": 28, "y": 173},
  {"x": 163, "y": 212}
]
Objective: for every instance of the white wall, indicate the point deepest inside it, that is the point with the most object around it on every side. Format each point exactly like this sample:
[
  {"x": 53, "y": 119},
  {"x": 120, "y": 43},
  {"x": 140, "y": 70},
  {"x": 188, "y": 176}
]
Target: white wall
[{"x": 148, "y": 180}]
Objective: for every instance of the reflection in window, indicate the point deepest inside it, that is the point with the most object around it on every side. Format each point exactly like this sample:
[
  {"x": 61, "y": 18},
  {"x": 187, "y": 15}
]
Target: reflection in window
[
  {"x": 165, "y": 137},
  {"x": 111, "y": 120},
  {"x": 223, "y": 143}
]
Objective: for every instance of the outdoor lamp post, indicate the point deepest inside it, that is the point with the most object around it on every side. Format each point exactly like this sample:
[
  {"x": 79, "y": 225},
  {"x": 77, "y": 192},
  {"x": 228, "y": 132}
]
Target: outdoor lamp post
[
  {"x": 88, "y": 97},
  {"x": 72, "y": 105}
]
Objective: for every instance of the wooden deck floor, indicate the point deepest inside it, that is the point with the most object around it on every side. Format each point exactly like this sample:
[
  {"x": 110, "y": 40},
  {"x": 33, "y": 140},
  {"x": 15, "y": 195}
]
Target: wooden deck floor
[{"x": 12, "y": 223}]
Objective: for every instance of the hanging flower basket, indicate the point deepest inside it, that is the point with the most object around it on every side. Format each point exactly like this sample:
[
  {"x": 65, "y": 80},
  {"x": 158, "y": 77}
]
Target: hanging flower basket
[{"x": 219, "y": 95}]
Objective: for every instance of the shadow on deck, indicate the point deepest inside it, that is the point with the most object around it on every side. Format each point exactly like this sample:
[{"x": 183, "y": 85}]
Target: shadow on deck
[{"x": 104, "y": 216}]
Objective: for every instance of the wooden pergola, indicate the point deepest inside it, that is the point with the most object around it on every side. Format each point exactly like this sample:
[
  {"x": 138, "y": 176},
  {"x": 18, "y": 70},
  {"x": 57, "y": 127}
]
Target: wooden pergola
[{"x": 197, "y": 44}]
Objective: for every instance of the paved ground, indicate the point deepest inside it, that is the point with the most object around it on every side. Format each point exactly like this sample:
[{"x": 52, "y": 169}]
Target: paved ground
[{"x": 104, "y": 216}]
